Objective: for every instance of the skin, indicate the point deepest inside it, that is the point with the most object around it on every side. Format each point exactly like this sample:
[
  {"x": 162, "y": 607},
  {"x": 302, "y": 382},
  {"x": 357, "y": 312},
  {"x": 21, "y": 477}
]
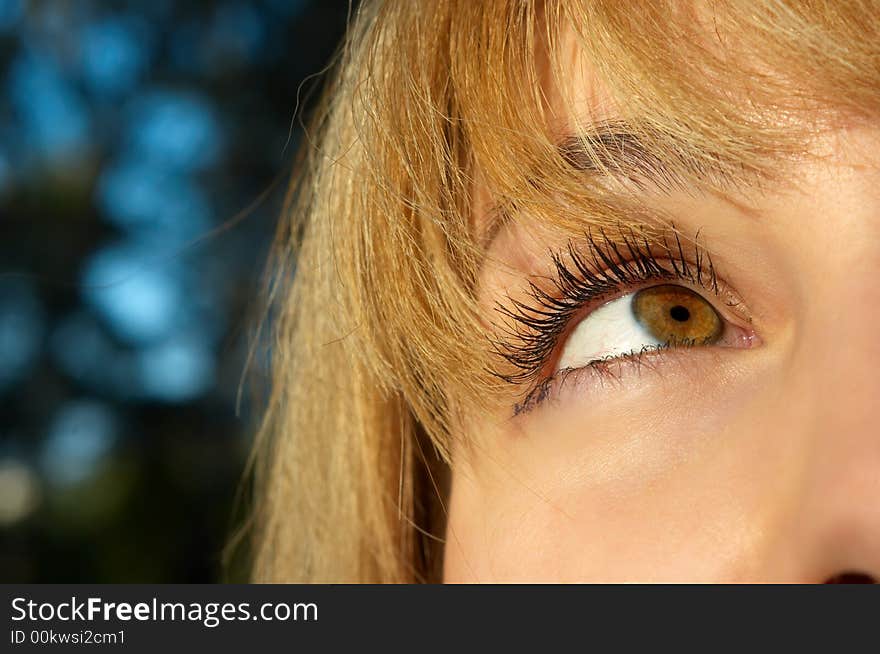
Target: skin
[{"x": 715, "y": 464}]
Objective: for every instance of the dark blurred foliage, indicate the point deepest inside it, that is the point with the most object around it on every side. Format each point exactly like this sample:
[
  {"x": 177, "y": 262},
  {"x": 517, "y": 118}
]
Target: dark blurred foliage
[{"x": 131, "y": 134}]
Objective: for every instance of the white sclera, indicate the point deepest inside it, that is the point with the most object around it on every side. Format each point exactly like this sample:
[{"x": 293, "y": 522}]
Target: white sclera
[{"x": 610, "y": 330}]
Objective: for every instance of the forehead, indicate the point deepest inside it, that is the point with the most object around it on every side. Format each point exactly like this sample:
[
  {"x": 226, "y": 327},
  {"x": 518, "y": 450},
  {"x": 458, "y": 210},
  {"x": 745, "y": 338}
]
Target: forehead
[
  {"x": 577, "y": 101},
  {"x": 574, "y": 91},
  {"x": 587, "y": 80},
  {"x": 695, "y": 87}
]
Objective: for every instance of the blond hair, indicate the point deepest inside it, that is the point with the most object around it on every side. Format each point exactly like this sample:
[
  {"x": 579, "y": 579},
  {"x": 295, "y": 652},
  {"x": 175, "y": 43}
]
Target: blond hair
[{"x": 379, "y": 345}]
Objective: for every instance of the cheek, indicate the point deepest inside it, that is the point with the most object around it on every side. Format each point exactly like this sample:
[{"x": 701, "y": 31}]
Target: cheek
[{"x": 661, "y": 480}]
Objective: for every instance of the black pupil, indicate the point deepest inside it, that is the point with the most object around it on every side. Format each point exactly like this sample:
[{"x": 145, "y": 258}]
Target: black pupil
[{"x": 679, "y": 313}]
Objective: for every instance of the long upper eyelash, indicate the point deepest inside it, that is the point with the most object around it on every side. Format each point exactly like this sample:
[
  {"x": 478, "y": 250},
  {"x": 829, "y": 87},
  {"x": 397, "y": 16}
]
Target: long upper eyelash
[{"x": 581, "y": 277}]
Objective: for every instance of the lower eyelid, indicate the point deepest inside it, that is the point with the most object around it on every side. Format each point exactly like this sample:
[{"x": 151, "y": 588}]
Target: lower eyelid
[
  {"x": 595, "y": 379},
  {"x": 615, "y": 373}
]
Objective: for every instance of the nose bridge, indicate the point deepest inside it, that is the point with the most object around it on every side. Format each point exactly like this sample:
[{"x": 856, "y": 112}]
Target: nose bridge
[
  {"x": 834, "y": 401},
  {"x": 841, "y": 360}
]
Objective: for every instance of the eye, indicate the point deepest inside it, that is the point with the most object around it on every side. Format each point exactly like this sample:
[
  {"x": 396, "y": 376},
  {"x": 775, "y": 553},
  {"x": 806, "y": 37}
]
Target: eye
[{"x": 664, "y": 315}]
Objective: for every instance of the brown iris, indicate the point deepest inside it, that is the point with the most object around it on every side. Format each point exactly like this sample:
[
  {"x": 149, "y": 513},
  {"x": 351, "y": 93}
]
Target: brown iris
[{"x": 676, "y": 315}]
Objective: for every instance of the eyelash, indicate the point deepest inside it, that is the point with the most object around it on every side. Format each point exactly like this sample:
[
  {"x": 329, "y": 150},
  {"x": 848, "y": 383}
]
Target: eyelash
[{"x": 604, "y": 270}]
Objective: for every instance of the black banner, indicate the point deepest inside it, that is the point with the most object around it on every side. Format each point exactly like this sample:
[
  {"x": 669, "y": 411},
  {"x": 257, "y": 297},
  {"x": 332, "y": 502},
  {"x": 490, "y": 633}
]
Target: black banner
[{"x": 143, "y": 618}]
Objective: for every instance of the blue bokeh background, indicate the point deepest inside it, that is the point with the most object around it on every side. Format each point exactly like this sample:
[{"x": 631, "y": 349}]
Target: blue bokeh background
[{"x": 132, "y": 136}]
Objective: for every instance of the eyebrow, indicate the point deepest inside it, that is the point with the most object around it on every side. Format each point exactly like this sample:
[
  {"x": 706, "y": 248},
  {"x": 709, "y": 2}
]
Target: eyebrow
[{"x": 614, "y": 151}]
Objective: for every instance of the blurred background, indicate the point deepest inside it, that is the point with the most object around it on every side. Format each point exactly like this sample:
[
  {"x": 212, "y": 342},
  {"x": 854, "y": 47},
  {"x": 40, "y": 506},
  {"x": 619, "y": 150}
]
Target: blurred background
[{"x": 133, "y": 134}]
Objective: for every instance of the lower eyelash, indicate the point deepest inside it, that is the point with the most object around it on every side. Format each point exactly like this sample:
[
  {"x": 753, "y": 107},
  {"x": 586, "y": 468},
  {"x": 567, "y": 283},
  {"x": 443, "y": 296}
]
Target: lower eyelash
[
  {"x": 604, "y": 368},
  {"x": 607, "y": 267}
]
